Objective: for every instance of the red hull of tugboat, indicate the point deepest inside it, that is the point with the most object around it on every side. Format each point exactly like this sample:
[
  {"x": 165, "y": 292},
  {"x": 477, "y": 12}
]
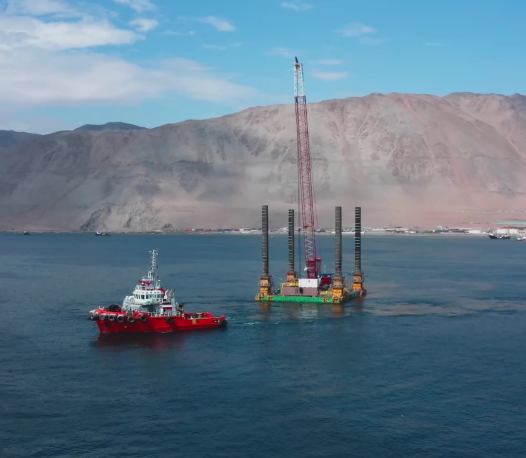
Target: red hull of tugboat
[{"x": 160, "y": 324}]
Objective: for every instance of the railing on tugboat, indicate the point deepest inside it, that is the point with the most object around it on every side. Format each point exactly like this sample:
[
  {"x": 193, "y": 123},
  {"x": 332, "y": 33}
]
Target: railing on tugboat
[{"x": 166, "y": 314}]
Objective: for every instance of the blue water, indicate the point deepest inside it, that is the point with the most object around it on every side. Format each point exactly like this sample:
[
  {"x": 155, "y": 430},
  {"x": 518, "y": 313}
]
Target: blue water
[{"x": 431, "y": 364}]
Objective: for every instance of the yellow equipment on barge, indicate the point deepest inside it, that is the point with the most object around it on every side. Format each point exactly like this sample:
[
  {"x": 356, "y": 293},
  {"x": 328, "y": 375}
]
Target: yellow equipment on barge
[{"x": 327, "y": 288}]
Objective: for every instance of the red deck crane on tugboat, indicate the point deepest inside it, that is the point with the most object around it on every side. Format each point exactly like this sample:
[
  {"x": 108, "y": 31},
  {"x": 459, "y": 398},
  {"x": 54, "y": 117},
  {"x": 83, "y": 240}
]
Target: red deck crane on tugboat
[{"x": 306, "y": 193}]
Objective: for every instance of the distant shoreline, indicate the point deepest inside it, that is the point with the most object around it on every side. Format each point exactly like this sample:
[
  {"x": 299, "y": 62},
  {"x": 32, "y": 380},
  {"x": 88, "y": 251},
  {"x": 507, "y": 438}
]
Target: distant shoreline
[{"x": 257, "y": 233}]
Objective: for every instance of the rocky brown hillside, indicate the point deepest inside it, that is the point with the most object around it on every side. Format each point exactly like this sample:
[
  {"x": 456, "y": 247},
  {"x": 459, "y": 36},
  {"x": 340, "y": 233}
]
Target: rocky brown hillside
[{"x": 406, "y": 159}]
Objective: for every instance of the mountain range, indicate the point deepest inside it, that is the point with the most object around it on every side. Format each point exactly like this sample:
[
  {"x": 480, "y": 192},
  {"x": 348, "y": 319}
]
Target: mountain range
[{"x": 405, "y": 159}]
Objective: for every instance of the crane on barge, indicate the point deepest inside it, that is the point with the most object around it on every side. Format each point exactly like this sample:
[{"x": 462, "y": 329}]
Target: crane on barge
[
  {"x": 306, "y": 191},
  {"x": 317, "y": 287}
]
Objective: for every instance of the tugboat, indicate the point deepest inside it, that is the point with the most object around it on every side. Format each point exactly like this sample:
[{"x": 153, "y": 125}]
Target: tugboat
[{"x": 151, "y": 308}]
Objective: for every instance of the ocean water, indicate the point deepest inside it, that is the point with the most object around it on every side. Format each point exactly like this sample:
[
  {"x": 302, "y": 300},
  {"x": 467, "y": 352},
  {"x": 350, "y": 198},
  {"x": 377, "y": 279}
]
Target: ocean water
[{"x": 431, "y": 364}]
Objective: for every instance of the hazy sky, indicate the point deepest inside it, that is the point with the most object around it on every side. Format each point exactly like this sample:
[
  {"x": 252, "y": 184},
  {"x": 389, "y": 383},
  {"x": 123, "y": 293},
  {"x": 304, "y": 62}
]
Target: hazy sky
[{"x": 64, "y": 63}]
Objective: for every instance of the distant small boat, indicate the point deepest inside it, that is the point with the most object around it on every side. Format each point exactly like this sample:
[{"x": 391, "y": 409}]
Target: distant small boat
[
  {"x": 26, "y": 233},
  {"x": 104, "y": 234},
  {"x": 522, "y": 238},
  {"x": 499, "y": 235}
]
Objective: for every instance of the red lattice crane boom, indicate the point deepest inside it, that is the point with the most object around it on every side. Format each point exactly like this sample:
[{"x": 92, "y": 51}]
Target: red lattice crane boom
[{"x": 306, "y": 192}]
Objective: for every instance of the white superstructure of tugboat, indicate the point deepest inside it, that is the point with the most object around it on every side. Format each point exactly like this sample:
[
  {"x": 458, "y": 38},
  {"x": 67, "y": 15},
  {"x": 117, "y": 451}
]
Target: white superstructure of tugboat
[{"x": 149, "y": 295}]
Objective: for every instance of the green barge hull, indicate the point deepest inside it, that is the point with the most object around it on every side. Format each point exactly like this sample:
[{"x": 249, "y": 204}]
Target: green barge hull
[{"x": 308, "y": 299}]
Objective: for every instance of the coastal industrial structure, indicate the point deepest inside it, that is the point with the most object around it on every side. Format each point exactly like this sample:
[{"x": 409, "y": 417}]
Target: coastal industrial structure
[
  {"x": 325, "y": 287},
  {"x": 317, "y": 286}
]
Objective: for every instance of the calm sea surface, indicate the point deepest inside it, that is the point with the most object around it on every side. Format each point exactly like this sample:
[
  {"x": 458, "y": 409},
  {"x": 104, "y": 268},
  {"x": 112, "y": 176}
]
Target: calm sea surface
[{"x": 431, "y": 364}]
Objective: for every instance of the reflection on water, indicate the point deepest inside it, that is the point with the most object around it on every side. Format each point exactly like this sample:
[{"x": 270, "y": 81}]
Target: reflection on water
[
  {"x": 298, "y": 311},
  {"x": 358, "y": 304},
  {"x": 130, "y": 341},
  {"x": 265, "y": 308},
  {"x": 338, "y": 310},
  {"x": 166, "y": 340}
]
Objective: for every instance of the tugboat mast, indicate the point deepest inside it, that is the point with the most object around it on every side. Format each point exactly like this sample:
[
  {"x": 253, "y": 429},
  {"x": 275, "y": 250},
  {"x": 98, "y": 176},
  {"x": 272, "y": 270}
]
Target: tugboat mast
[{"x": 152, "y": 274}]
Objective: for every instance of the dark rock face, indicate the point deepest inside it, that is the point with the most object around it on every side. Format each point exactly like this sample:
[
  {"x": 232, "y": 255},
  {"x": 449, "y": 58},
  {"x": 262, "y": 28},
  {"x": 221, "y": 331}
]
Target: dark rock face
[{"x": 406, "y": 159}]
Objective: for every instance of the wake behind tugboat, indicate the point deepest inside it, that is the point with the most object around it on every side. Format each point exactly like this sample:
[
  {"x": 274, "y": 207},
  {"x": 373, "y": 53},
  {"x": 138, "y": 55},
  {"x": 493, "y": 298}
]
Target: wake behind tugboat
[{"x": 151, "y": 308}]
